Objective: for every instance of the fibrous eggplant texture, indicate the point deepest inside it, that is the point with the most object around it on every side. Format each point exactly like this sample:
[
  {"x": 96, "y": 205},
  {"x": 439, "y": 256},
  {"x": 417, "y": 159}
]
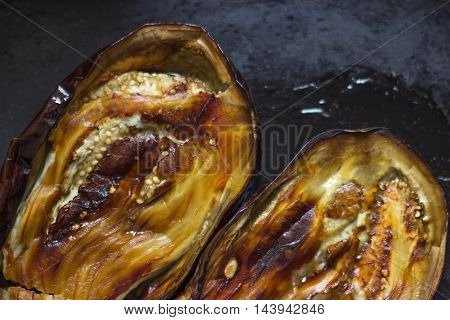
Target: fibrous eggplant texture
[
  {"x": 357, "y": 215},
  {"x": 155, "y": 144}
]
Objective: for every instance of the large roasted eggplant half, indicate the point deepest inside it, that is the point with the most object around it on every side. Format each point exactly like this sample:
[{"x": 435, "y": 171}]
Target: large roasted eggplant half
[
  {"x": 19, "y": 293},
  {"x": 357, "y": 215},
  {"x": 133, "y": 162}
]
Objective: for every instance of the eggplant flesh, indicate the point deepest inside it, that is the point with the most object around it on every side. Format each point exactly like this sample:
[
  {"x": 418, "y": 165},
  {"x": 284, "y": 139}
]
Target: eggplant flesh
[
  {"x": 19, "y": 293},
  {"x": 146, "y": 154},
  {"x": 357, "y": 215}
]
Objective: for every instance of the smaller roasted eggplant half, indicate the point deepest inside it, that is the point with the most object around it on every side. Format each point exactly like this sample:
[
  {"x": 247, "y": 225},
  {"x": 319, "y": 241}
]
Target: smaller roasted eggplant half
[
  {"x": 357, "y": 215},
  {"x": 142, "y": 151}
]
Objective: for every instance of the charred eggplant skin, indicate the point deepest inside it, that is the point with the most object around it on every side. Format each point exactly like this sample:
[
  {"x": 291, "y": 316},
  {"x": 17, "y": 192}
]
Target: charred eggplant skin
[
  {"x": 26, "y": 153},
  {"x": 278, "y": 246}
]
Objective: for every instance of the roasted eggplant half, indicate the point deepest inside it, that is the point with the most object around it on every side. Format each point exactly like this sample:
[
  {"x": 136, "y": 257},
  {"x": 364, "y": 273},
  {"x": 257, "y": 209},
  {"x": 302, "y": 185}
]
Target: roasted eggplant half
[
  {"x": 357, "y": 215},
  {"x": 123, "y": 176}
]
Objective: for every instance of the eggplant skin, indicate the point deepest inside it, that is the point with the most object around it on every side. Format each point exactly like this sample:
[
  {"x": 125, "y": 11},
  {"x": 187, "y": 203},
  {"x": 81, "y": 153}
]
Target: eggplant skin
[
  {"x": 120, "y": 180},
  {"x": 356, "y": 215}
]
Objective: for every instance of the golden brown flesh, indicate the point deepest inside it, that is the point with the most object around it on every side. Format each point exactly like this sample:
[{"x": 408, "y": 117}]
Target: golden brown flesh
[
  {"x": 17, "y": 293},
  {"x": 356, "y": 216},
  {"x": 157, "y": 142}
]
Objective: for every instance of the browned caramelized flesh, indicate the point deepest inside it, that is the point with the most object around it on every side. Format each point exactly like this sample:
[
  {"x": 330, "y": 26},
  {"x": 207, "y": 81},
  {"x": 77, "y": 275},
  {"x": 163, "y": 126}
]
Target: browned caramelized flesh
[
  {"x": 356, "y": 216},
  {"x": 18, "y": 293},
  {"x": 136, "y": 173}
]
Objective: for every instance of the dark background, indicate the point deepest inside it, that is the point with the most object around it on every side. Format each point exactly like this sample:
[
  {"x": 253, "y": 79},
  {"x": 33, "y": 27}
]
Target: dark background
[{"x": 277, "y": 45}]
